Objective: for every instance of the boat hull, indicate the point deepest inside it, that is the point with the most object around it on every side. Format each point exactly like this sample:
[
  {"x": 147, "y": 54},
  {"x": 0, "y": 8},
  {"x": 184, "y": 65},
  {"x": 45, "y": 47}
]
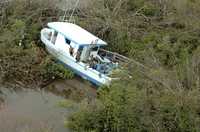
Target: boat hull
[{"x": 79, "y": 68}]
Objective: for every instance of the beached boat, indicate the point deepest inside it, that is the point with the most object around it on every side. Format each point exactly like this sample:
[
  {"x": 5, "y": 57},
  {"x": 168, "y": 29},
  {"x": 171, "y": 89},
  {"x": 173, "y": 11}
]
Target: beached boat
[{"x": 80, "y": 51}]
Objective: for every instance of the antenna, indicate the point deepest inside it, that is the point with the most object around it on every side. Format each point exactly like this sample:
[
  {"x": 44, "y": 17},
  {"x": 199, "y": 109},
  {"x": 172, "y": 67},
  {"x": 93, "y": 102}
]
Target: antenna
[
  {"x": 74, "y": 10},
  {"x": 66, "y": 10}
]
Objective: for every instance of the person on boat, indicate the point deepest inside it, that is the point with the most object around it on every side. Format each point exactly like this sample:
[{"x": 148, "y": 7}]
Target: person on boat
[
  {"x": 71, "y": 50},
  {"x": 78, "y": 56},
  {"x": 93, "y": 62}
]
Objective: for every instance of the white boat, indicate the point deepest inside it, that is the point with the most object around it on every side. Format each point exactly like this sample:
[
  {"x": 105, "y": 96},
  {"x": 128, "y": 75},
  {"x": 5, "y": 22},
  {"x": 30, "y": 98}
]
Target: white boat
[{"x": 80, "y": 51}]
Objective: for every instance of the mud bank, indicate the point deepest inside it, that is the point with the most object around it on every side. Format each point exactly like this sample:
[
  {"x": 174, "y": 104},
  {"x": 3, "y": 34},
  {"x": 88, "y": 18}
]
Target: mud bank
[{"x": 31, "y": 110}]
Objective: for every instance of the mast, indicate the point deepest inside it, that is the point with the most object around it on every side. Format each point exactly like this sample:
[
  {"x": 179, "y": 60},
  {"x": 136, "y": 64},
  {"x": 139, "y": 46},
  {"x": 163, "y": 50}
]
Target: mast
[{"x": 73, "y": 10}]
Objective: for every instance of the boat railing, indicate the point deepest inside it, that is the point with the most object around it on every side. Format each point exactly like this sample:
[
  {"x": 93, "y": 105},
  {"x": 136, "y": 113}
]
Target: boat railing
[
  {"x": 115, "y": 56},
  {"x": 49, "y": 15}
]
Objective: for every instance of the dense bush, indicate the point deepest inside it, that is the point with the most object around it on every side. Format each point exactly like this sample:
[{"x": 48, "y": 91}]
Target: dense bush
[
  {"x": 54, "y": 69},
  {"x": 162, "y": 36},
  {"x": 132, "y": 27},
  {"x": 163, "y": 93},
  {"x": 157, "y": 100},
  {"x": 22, "y": 60}
]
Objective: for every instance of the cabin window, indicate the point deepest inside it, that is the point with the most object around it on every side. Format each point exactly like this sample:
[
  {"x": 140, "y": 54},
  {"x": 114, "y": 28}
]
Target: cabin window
[
  {"x": 54, "y": 37},
  {"x": 95, "y": 48},
  {"x": 67, "y": 41}
]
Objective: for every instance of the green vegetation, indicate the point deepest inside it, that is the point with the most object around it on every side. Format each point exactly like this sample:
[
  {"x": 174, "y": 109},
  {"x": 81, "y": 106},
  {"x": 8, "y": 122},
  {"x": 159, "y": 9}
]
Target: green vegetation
[
  {"x": 163, "y": 93},
  {"x": 22, "y": 60},
  {"x": 163, "y": 36}
]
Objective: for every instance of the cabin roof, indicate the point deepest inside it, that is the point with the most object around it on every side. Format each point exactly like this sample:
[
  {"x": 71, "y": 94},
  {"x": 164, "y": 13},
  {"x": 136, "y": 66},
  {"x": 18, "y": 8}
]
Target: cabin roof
[{"x": 75, "y": 33}]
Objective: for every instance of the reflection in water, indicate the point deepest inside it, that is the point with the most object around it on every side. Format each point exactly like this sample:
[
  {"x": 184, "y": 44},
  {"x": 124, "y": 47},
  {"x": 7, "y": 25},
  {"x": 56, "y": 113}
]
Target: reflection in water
[{"x": 31, "y": 110}]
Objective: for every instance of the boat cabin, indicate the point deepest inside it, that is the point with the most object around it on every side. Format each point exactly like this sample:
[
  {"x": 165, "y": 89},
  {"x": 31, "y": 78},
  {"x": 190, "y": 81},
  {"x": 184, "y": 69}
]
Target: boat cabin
[{"x": 80, "y": 45}]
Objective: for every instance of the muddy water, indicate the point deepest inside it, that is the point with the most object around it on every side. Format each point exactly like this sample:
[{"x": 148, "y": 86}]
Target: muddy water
[{"x": 28, "y": 110}]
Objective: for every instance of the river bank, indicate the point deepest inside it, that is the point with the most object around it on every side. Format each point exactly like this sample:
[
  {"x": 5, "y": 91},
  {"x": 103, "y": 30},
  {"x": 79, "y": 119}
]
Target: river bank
[
  {"x": 30, "y": 91},
  {"x": 31, "y": 110},
  {"x": 36, "y": 109}
]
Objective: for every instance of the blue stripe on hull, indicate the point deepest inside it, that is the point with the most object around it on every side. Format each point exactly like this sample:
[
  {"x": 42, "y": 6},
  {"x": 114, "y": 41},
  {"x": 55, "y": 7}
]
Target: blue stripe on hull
[
  {"x": 81, "y": 74},
  {"x": 85, "y": 76}
]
